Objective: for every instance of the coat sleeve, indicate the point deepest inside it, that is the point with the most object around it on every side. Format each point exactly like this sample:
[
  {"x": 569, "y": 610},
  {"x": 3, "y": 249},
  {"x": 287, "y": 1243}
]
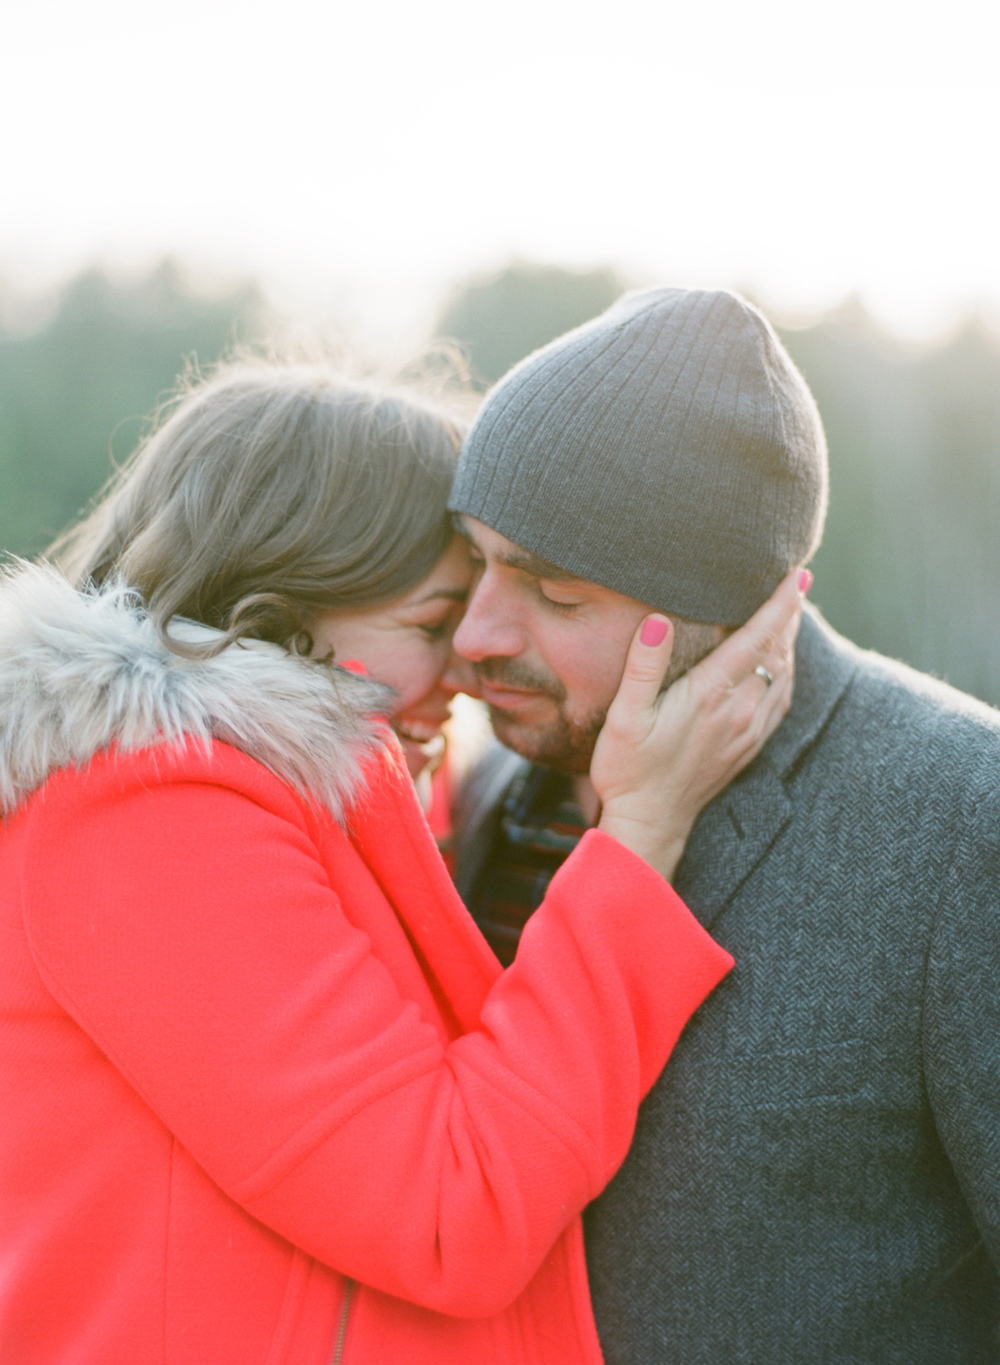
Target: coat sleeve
[
  {"x": 191, "y": 929},
  {"x": 961, "y": 1017}
]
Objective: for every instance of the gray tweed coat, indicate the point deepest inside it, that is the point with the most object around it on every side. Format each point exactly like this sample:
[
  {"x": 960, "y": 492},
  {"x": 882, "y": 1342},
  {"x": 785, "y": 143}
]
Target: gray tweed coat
[{"x": 815, "y": 1179}]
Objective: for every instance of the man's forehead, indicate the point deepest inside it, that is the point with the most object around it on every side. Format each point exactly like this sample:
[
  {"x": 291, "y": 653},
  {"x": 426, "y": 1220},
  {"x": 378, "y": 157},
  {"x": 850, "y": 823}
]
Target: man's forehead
[{"x": 513, "y": 556}]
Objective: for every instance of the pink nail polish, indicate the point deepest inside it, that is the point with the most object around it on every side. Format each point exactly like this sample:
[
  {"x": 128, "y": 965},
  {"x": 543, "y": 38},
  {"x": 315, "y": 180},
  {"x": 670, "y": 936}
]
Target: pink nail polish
[
  {"x": 653, "y": 632},
  {"x": 805, "y": 581}
]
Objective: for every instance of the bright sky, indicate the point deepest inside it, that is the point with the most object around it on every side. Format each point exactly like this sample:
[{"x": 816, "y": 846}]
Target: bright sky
[{"x": 362, "y": 154}]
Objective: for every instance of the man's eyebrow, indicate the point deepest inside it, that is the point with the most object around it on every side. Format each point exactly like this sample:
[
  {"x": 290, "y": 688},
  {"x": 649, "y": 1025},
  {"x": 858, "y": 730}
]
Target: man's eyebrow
[
  {"x": 528, "y": 562},
  {"x": 524, "y": 560}
]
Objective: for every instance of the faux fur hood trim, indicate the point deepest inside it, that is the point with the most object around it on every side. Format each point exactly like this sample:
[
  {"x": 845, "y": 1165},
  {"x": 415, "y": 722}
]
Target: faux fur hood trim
[{"x": 80, "y": 671}]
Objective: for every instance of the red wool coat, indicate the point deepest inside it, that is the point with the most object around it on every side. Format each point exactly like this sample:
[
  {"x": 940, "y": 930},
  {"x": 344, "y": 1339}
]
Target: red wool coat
[{"x": 268, "y": 1097}]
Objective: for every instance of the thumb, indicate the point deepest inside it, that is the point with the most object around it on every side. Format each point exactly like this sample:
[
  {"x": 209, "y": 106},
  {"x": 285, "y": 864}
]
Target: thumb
[{"x": 645, "y": 666}]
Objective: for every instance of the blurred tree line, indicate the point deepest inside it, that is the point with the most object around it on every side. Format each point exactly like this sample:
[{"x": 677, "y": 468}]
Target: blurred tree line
[
  {"x": 75, "y": 392},
  {"x": 910, "y": 563}
]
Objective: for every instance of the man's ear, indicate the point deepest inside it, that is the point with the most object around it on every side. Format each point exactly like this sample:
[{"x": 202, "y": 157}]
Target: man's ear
[{"x": 692, "y": 641}]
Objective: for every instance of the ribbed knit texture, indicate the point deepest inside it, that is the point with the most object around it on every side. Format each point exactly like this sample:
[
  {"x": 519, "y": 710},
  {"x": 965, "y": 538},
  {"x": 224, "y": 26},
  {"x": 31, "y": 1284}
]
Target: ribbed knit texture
[{"x": 669, "y": 449}]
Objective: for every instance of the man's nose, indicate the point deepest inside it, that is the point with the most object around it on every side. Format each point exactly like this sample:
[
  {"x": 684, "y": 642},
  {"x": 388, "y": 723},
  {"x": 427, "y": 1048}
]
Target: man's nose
[{"x": 490, "y": 626}]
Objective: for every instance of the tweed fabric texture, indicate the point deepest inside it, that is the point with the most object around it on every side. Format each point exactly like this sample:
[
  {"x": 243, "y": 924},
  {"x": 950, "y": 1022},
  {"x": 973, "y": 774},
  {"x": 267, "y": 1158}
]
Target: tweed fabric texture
[
  {"x": 815, "y": 1177},
  {"x": 669, "y": 450}
]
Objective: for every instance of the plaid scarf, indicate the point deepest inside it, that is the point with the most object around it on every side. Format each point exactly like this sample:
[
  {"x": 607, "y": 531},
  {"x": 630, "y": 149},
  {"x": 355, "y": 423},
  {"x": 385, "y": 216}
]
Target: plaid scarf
[{"x": 540, "y": 826}]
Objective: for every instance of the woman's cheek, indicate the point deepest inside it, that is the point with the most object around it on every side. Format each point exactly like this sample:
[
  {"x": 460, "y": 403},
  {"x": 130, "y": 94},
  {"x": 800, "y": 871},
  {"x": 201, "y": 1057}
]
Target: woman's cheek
[
  {"x": 429, "y": 676},
  {"x": 415, "y": 674}
]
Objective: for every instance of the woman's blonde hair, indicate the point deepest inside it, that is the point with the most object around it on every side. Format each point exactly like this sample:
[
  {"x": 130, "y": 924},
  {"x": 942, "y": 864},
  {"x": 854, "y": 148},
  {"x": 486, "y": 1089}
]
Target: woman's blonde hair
[{"x": 269, "y": 494}]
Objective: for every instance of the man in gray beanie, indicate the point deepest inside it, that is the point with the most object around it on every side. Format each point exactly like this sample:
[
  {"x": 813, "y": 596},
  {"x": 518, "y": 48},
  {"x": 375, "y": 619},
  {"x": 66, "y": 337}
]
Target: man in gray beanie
[{"x": 816, "y": 1176}]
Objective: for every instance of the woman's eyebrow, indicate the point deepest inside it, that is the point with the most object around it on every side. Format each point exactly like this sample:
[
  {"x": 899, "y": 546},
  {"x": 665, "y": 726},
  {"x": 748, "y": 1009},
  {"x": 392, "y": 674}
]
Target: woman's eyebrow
[{"x": 448, "y": 594}]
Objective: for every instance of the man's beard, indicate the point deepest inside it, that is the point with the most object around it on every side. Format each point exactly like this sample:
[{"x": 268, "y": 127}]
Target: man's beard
[
  {"x": 568, "y": 745},
  {"x": 564, "y": 744}
]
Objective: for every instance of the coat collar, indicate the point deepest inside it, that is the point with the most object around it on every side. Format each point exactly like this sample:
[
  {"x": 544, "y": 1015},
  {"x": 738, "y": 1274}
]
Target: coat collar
[
  {"x": 391, "y": 835},
  {"x": 736, "y": 830},
  {"x": 82, "y": 672}
]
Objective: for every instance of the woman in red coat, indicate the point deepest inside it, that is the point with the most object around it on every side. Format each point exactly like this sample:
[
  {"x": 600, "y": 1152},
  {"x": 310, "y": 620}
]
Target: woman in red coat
[{"x": 267, "y": 1095}]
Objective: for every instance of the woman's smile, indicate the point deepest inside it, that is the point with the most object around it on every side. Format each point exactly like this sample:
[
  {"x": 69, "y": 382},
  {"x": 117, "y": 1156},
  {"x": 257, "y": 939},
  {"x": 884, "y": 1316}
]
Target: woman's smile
[{"x": 406, "y": 644}]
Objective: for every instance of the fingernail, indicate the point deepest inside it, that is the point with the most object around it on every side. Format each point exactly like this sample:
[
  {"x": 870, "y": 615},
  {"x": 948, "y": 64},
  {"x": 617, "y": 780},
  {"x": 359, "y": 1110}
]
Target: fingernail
[
  {"x": 805, "y": 581},
  {"x": 654, "y": 632}
]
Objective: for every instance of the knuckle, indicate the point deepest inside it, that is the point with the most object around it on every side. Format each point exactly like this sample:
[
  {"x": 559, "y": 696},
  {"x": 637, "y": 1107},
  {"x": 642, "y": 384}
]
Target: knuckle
[
  {"x": 619, "y": 727},
  {"x": 709, "y": 688},
  {"x": 707, "y": 697},
  {"x": 745, "y": 714},
  {"x": 642, "y": 673}
]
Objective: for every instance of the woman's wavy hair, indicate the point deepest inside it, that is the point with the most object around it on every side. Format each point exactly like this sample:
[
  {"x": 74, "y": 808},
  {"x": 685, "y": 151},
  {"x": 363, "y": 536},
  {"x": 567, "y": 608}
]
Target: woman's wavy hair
[{"x": 269, "y": 493}]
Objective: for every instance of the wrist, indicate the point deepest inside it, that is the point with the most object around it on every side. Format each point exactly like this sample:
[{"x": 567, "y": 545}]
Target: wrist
[{"x": 660, "y": 847}]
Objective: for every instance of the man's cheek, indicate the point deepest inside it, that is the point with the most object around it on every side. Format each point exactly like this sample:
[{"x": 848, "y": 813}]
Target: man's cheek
[{"x": 592, "y": 694}]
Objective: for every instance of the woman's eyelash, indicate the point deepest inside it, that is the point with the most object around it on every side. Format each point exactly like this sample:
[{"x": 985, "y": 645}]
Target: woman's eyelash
[{"x": 435, "y": 632}]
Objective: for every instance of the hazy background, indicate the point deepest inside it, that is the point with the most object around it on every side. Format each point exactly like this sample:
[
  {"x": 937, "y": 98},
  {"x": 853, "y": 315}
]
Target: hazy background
[{"x": 175, "y": 178}]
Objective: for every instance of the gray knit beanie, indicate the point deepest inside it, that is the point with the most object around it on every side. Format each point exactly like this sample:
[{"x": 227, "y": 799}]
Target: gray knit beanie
[{"x": 669, "y": 449}]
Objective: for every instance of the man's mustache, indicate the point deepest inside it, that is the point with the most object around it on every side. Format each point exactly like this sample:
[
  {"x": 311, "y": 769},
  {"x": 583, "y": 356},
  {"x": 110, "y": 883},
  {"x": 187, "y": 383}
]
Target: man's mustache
[{"x": 512, "y": 673}]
